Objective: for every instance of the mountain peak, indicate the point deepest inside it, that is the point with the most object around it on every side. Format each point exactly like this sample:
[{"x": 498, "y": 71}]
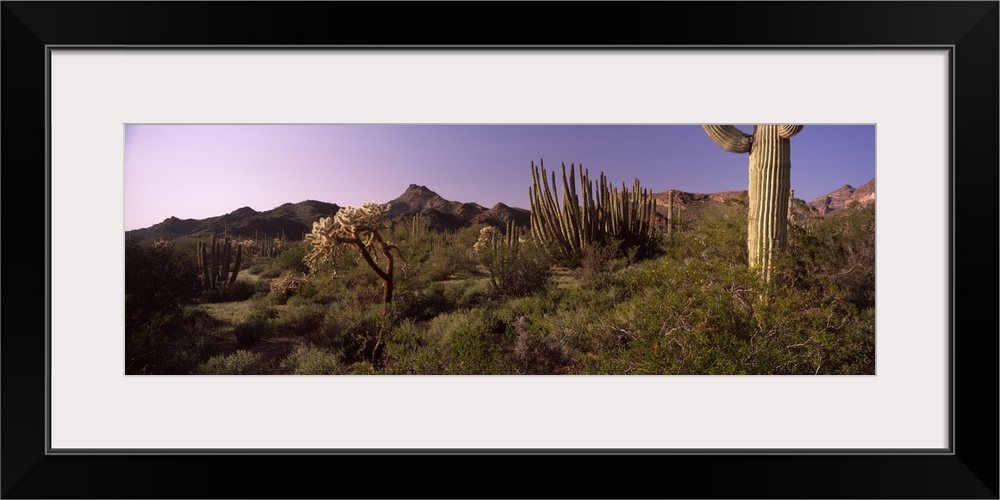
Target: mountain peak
[
  {"x": 417, "y": 188},
  {"x": 844, "y": 196}
]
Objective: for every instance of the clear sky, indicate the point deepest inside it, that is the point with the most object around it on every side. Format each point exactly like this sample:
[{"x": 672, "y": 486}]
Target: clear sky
[{"x": 200, "y": 171}]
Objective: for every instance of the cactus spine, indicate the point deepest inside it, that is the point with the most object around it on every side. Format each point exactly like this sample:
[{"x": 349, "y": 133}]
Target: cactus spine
[
  {"x": 214, "y": 261},
  {"x": 601, "y": 213},
  {"x": 769, "y": 186}
]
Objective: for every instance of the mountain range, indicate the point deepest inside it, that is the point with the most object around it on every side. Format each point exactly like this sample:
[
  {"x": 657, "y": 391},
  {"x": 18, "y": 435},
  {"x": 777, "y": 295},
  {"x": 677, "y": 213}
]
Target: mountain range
[{"x": 294, "y": 220}]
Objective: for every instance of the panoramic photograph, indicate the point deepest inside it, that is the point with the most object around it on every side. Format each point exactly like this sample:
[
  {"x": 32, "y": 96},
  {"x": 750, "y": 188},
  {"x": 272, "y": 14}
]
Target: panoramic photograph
[{"x": 371, "y": 249}]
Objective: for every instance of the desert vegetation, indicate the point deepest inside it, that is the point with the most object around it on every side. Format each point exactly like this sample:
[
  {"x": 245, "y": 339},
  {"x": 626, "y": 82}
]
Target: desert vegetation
[
  {"x": 595, "y": 279},
  {"x": 488, "y": 299}
]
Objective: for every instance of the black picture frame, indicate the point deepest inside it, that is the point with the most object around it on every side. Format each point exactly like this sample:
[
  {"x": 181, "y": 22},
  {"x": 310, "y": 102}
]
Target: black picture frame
[{"x": 970, "y": 29}]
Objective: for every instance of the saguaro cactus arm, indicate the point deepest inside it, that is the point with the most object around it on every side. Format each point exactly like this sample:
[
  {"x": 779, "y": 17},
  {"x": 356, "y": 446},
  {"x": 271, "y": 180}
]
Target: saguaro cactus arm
[
  {"x": 730, "y": 138},
  {"x": 787, "y": 131}
]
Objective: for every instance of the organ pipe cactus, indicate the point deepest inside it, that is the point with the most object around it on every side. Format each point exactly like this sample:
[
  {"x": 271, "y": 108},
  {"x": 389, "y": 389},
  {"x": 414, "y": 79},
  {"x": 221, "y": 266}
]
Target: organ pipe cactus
[
  {"x": 770, "y": 182},
  {"x": 601, "y": 213},
  {"x": 214, "y": 261},
  {"x": 670, "y": 212},
  {"x": 359, "y": 227}
]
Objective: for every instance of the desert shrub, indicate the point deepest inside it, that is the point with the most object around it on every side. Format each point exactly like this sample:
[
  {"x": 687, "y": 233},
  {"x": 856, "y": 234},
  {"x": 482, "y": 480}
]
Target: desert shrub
[
  {"x": 472, "y": 342},
  {"x": 355, "y": 332},
  {"x": 261, "y": 309},
  {"x": 599, "y": 261},
  {"x": 252, "y": 330},
  {"x": 515, "y": 268},
  {"x": 169, "y": 345},
  {"x": 308, "y": 360},
  {"x": 535, "y": 353},
  {"x": 707, "y": 315},
  {"x": 431, "y": 255},
  {"x": 420, "y": 300},
  {"x": 229, "y": 292},
  {"x": 351, "y": 280},
  {"x": 238, "y": 363},
  {"x": 468, "y": 293},
  {"x": 453, "y": 261},
  {"x": 258, "y": 267},
  {"x": 290, "y": 259},
  {"x": 270, "y": 272},
  {"x": 412, "y": 349},
  {"x": 719, "y": 232},
  {"x": 301, "y": 320},
  {"x": 838, "y": 255},
  {"x": 158, "y": 282}
]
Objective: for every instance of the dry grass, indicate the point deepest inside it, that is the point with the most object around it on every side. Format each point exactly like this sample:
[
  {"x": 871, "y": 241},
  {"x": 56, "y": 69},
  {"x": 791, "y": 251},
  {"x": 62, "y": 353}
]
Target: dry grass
[{"x": 234, "y": 312}]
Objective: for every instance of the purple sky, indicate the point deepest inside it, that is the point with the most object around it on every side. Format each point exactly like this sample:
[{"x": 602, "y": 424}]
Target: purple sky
[{"x": 200, "y": 171}]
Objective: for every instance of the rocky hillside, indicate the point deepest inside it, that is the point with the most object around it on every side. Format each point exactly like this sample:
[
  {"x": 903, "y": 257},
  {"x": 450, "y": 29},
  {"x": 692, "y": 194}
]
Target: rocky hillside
[
  {"x": 845, "y": 196},
  {"x": 691, "y": 205},
  {"x": 294, "y": 220},
  {"x": 447, "y": 215}
]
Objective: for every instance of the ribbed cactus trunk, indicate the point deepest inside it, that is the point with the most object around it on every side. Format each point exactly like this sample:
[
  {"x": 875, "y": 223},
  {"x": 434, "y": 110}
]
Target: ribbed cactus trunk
[
  {"x": 770, "y": 184},
  {"x": 213, "y": 265},
  {"x": 602, "y": 212},
  {"x": 670, "y": 212}
]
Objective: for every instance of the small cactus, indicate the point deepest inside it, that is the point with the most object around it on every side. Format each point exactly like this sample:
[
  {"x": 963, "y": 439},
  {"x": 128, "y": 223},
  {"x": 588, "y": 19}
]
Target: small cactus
[{"x": 214, "y": 262}]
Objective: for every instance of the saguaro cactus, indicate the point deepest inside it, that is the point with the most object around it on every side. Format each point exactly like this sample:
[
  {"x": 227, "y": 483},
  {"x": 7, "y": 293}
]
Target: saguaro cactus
[{"x": 770, "y": 182}]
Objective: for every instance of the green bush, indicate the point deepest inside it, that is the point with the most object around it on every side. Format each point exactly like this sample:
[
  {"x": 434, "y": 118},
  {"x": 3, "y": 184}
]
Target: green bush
[
  {"x": 307, "y": 360},
  {"x": 515, "y": 268},
  {"x": 420, "y": 300},
  {"x": 304, "y": 319},
  {"x": 159, "y": 282},
  {"x": 230, "y": 292},
  {"x": 356, "y": 332},
  {"x": 169, "y": 345},
  {"x": 535, "y": 353},
  {"x": 472, "y": 342},
  {"x": 838, "y": 255},
  {"x": 238, "y": 363},
  {"x": 290, "y": 259},
  {"x": 249, "y": 332},
  {"x": 468, "y": 293}
]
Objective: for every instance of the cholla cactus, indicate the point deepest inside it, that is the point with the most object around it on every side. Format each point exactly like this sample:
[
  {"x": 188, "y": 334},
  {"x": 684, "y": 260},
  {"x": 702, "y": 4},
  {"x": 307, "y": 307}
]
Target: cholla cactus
[
  {"x": 288, "y": 283},
  {"x": 485, "y": 240},
  {"x": 360, "y": 227}
]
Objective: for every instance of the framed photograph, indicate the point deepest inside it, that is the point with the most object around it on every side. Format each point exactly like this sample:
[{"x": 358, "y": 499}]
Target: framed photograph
[{"x": 173, "y": 107}]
